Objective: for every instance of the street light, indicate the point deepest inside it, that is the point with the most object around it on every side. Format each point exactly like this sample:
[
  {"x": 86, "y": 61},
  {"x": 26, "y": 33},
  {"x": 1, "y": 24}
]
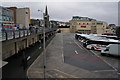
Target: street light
[{"x": 44, "y": 51}]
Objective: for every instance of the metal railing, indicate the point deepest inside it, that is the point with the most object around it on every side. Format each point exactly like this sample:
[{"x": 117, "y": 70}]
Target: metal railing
[{"x": 12, "y": 34}]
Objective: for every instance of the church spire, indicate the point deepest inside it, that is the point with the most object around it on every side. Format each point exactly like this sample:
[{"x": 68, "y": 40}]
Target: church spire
[
  {"x": 46, "y": 11},
  {"x": 46, "y": 17}
]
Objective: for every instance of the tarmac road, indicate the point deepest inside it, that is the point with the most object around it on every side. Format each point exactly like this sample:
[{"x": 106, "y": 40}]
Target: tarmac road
[
  {"x": 75, "y": 54},
  {"x": 66, "y": 58}
]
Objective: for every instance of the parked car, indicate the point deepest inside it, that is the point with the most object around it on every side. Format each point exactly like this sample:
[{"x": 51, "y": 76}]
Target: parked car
[
  {"x": 112, "y": 49},
  {"x": 97, "y": 47}
]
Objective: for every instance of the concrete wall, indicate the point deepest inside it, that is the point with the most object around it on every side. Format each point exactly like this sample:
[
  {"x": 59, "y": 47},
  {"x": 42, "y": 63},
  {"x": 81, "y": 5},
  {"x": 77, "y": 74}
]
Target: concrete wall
[
  {"x": 8, "y": 50},
  {"x": 11, "y": 47}
]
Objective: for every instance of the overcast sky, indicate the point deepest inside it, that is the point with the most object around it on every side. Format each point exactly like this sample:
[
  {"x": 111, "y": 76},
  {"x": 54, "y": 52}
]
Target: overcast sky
[{"x": 63, "y": 11}]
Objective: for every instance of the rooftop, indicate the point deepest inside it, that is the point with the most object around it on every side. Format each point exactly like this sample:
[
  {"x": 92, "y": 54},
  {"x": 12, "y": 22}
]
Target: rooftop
[{"x": 81, "y": 18}]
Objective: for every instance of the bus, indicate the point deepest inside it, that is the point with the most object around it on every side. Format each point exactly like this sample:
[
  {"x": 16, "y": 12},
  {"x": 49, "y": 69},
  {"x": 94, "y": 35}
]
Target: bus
[{"x": 98, "y": 45}]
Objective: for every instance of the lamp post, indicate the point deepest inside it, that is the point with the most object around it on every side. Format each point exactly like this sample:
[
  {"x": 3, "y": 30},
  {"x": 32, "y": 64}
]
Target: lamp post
[{"x": 44, "y": 51}]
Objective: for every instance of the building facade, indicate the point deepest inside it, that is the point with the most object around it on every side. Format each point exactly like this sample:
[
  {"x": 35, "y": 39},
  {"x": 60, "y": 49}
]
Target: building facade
[
  {"x": 35, "y": 22},
  {"x": 87, "y": 25},
  {"x": 14, "y": 13},
  {"x": 111, "y": 28},
  {"x": 64, "y": 28},
  {"x": 23, "y": 17},
  {"x": 54, "y": 24},
  {"x": 6, "y": 18}
]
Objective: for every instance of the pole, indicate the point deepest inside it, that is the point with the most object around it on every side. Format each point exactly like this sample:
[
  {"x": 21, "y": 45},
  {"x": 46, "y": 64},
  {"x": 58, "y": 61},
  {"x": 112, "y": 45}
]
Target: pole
[{"x": 44, "y": 52}]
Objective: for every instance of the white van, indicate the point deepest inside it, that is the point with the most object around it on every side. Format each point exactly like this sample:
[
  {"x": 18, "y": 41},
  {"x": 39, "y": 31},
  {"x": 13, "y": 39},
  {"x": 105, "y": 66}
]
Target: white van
[{"x": 113, "y": 49}]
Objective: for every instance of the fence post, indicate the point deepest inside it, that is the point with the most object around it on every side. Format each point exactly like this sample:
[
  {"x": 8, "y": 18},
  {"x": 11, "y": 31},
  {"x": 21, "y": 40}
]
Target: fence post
[
  {"x": 6, "y": 35},
  {"x": 13, "y": 34},
  {"x": 24, "y": 33},
  {"x": 19, "y": 33}
]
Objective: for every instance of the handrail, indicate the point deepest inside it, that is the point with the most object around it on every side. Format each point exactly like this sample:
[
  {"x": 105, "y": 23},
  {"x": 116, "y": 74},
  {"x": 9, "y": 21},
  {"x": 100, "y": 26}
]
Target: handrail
[{"x": 12, "y": 34}]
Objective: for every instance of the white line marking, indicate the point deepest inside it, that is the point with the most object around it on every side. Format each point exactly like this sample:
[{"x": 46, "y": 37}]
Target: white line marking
[
  {"x": 78, "y": 45},
  {"x": 40, "y": 47},
  {"x": 62, "y": 49},
  {"x": 76, "y": 52},
  {"x": 118, "y": 73},
  {"x": 102, "y": 70},
  {"x": 104, "y": 60}
]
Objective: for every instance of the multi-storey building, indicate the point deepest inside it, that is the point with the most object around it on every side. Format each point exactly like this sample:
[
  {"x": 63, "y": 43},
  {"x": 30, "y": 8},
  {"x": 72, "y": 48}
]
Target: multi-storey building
[
  {"x": 35, "y": 22},
  {"x": 23, "y": 17},
  {"x": 14, "y": 13},
  {"x": 111, "y": 28},
  {"x": 6, "y": 18},
  {"x": 54, "y": 24},
  {"x": 87, "y": 25}
]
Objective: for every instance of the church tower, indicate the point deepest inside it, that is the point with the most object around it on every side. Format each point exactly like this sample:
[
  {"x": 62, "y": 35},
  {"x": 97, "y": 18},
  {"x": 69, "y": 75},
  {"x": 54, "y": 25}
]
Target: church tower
[{"x": 46, "y": 17}]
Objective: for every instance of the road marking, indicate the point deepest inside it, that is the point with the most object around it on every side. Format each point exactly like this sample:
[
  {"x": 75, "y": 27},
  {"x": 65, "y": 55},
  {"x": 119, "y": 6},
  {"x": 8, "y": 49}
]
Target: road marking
[
  {"x": 37, "y": 72},
  {"x": 61, "y": 76},
  {"x": 62, "y": 49},
  {"x": 102, "y": 70},
  {"x": 78, "y": 45},
  {"x": 118, "y": 73},
  {"x": 50, "y": 75},
  {"x": 64, "y": 73},
  {"x": 40, "y": 47},
  {"x": 76, "y": 52},
  {"x": 104, "y": 60}
]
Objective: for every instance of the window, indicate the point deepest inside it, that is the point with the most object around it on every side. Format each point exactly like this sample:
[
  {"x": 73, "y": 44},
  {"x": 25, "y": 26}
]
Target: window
[
  {"x": 93, "y": 23},
  {"x": 4, "y": 18},
  {"x": 87, "y": 23},
  {"x": 26, "y": 12},
  {"x": 99, "y": 23},
  {"x": 83, "y": 26},
  {"x": 83, "y": 23}
]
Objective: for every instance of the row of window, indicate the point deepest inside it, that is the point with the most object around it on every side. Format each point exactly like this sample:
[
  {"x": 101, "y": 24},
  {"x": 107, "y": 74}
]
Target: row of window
[
  {"x": 5, "y": 18},
  {"x": 7, "y": 12},
  {"x": 84, "y": 30},
  {"x": 87, "y": 23}
]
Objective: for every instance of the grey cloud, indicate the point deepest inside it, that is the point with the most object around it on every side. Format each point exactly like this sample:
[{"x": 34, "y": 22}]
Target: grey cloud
[{"x": 105, "y": 11}]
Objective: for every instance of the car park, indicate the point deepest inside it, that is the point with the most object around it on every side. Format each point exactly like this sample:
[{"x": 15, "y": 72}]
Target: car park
[{"x": 95, "y": 41}]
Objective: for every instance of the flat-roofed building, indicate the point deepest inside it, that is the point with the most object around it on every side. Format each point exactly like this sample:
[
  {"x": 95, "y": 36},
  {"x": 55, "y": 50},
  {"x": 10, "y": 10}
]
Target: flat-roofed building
[
  {"x": 87, "y": 25},
  {"x": 6, "y": 18},
  {"x": 35, "y": 22},
  {"x": 14, "y": 12},
  {"x": 23, "y": 17}
]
